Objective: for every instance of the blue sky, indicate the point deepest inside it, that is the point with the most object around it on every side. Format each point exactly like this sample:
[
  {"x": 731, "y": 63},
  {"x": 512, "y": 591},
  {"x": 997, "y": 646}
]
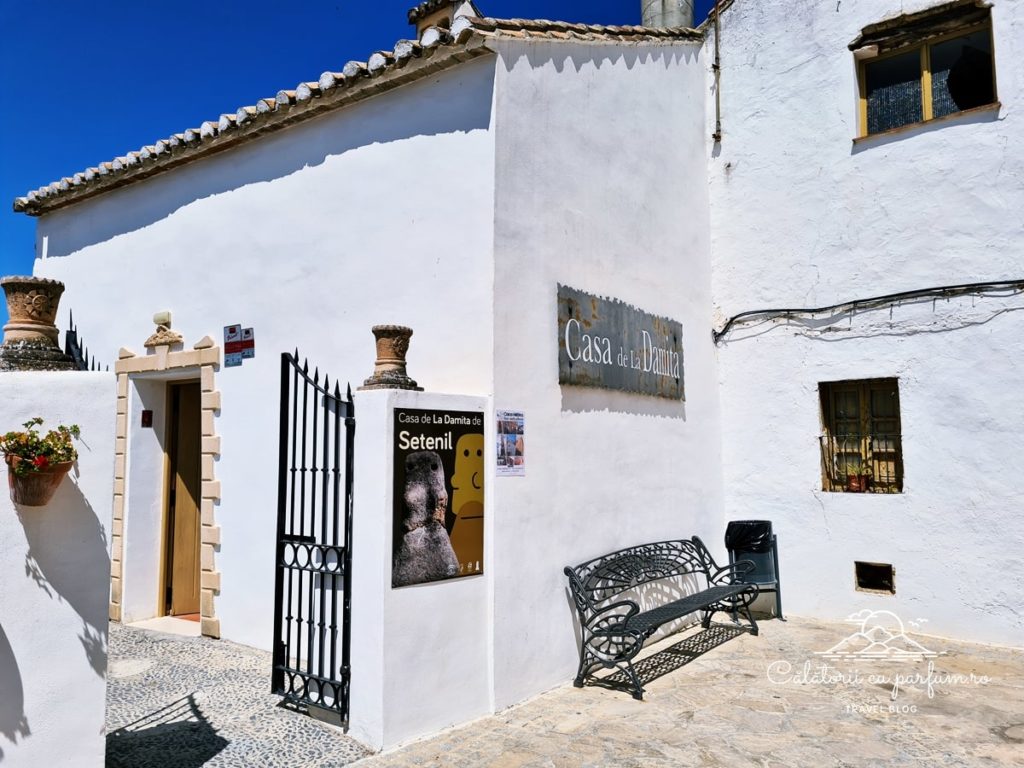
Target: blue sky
[{"x": 85, "y": 82}]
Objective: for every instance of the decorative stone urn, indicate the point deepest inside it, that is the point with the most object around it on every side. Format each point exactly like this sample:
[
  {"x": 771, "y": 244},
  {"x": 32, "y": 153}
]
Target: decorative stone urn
[
  {"x": 389, "y": 370},
  {"x": 30, "y": 338}
]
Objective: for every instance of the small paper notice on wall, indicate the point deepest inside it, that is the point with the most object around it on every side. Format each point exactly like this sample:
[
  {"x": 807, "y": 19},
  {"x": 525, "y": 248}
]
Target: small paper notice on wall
[
  {"x": 248, "y": 343},
  {"x": 239, "y": 345},
  {"x": 511, "y": 446},
  {"x": 232, "y": 345}
]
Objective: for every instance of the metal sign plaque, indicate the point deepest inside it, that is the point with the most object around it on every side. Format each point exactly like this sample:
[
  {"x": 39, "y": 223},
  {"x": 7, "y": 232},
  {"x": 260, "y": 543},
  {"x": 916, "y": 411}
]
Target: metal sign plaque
[{"x": 610, "y": 344}]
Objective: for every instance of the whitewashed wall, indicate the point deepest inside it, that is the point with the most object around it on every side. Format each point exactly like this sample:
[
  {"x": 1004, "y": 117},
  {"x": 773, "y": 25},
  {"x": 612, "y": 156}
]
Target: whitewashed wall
[
  {"x": 422, "y": 652},
  {"x": 55, "y": 572},
  {"x": 800, "y": 216},
  {"x": 378, "y": 213},
  {"x": 600, "y": 185}
]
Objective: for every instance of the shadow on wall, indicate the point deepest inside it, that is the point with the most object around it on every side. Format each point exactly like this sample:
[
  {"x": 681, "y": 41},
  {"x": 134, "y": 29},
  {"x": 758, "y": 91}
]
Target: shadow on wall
[
  {"x": 648, "y": 596},
  {"x": 540, "y": 54},
  {"x": 69, "y": 579},
  {"x": 13, "y": 722},
  {"x": 176, "y": 736},
  {"x": 584, "y": 400},
  {"x": 460, "y": 104},
  {"x": 981, "y": 115},
  {"x": 840, "y": 326}
]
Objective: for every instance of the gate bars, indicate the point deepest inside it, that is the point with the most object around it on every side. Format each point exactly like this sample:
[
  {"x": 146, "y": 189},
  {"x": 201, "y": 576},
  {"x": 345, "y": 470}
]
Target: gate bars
[{"x": 313, "y": 559}]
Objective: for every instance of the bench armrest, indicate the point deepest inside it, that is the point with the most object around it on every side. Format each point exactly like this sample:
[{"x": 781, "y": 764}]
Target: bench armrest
[
  {"x": 604, "y": 618},
  {"x": 733, "y": 574}
]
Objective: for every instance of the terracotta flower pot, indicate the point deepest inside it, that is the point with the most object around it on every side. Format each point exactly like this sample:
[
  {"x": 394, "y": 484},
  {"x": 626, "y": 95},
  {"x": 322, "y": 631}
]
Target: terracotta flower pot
[
  {"x": 35, "y": 488},
  {"x": 857, "y": 483}
]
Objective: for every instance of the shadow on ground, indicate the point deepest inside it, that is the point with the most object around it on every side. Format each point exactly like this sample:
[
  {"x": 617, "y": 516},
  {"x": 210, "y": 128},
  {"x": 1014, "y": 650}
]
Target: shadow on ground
[
  {"x": 672, "y": 658},
  {"x": 176, "y": 736}
]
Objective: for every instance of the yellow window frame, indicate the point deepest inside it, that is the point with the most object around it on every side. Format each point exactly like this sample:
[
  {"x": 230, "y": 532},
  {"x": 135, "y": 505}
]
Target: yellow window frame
[{"x": 926, "y": 75}]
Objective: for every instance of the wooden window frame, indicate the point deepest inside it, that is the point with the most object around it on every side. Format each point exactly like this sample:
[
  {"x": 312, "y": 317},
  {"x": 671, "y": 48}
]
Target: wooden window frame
[
  {"x": 864, "y": 439},
  {"x": 924, "y": 48}
]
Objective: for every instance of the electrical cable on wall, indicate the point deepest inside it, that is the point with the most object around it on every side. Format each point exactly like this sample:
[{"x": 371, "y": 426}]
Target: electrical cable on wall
[{"x": 873, "y": 302}]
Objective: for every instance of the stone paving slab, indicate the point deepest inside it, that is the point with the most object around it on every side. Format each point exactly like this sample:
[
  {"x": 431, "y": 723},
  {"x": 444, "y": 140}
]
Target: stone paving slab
[
  {"x": 714, "y": 698},
  {"x": 731, "y": 699},
  {"x": 184, "y": 702}
]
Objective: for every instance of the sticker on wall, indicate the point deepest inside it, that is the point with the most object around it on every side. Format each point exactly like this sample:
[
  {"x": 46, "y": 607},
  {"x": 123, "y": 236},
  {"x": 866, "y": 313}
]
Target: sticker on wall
[
  {"x": 239, "y": 345},
  {"x": 232, "y": 346},
  {"x": 438, "y": 496},
  {"x": 511, "y": 448},
  {"x": 248, "y": 343}
]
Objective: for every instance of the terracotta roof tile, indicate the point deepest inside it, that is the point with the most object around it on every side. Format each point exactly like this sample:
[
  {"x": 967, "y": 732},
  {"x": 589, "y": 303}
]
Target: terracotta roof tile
[{"x": 437, "y": 48}]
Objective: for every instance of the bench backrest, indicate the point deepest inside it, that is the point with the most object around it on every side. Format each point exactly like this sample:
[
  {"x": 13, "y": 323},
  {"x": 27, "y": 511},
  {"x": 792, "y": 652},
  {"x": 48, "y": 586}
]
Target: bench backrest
[{"x": 605, "y": 577}]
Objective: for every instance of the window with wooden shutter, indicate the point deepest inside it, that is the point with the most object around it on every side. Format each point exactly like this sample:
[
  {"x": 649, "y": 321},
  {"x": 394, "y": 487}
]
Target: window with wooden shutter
[{"x": 861, "y": 444}]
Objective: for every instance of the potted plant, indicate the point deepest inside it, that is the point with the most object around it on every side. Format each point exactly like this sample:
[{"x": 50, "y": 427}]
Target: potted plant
[
  {"x": 36, "y": 463},
  {"x": 859, "y": 481}
]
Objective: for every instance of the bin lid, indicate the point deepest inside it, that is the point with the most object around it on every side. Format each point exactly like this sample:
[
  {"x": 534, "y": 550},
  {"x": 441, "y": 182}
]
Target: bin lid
[{"x": 749, "y": 535}]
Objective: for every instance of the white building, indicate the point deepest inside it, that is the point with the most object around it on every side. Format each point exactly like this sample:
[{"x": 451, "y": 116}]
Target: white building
[{"x": 453, "y": 183}]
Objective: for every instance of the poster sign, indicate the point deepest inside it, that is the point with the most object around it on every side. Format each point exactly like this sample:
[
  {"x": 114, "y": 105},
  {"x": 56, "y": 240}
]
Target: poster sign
[
  {"x": 438, "y": 496},
  {"x": 610, "y": 344},
  {"x": 511, "y": 447},
  {"x": 239, "y": 345}
]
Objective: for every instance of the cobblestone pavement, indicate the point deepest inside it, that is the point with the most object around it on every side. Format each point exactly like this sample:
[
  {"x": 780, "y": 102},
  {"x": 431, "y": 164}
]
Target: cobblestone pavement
[
  {"x": 184, "y": 702},
  {"x": 714, "y": 698},
  {"x": 721, "y": 708}
]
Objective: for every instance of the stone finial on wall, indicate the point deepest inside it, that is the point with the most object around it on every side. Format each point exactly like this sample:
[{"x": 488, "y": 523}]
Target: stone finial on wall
[
  {"x": 30, "y": 337},
  {"x": 163, "y": 336},
  {"x": 389, "y": 370}
]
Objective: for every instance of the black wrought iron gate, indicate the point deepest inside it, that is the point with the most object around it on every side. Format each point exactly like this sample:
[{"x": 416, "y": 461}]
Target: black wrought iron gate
[{"x": 313, "y": 560}]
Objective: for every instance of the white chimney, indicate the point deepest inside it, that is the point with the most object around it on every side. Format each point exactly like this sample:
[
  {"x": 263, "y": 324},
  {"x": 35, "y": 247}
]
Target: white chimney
[{"x": 667, "y": 13}]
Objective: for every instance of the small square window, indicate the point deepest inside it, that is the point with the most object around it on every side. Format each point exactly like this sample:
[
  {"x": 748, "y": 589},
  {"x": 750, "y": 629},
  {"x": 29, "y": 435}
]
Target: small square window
[
  {"x": 875, "y": 577},
  {"x": 861, "y": 444},
  {"x": 928, "y": 65}
]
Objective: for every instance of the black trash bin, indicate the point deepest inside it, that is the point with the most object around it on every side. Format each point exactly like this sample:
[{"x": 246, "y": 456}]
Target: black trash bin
[{"x": 753, "y": 540}]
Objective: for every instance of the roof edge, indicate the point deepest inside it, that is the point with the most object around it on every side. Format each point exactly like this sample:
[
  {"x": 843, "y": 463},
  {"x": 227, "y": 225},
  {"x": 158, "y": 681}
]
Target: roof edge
[{"x": 436, "y": 50}]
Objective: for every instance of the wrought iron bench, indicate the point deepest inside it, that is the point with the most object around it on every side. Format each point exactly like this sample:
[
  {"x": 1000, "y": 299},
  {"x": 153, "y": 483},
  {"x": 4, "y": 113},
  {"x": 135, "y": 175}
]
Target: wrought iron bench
[{"x": 613, "y": 633}]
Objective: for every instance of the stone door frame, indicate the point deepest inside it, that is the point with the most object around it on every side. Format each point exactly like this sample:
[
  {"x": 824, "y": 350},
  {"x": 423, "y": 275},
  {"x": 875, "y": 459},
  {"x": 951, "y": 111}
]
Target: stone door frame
[{"x": 165, "y": 354}]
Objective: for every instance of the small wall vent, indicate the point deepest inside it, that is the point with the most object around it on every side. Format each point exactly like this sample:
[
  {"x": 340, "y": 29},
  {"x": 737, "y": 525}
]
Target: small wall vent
[{"x": 875, "y": 577}]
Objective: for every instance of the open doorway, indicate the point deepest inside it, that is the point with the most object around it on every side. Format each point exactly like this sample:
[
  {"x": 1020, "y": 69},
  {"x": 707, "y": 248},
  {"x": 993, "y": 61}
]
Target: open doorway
[
  {"x": 182, "y": 501},
  {"x": 165, "y": 535}
]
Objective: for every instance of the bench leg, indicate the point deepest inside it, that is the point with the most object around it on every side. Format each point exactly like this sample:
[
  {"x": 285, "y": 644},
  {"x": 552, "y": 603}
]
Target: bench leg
[
  {"x": 750, "y": 618},
  {"x": 706, "y": 621},
  {"x": 586, "y": 663},
  {"x": 638, "y": 690}
]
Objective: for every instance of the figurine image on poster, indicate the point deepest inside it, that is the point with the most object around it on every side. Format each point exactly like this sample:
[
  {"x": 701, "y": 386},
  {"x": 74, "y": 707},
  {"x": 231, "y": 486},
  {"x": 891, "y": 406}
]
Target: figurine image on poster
[
  {"x": 425, "y": 552},
  {"x": 468, "y": 503}
]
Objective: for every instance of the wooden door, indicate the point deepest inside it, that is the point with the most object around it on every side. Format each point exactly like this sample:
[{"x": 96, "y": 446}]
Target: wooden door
[{"x": 183, "y": 495}]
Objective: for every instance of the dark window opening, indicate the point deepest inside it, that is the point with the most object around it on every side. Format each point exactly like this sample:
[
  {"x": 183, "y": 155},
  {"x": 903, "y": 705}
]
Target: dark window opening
[
  {"x": 861, "y": 444},
  {"x": 875, "y": 577},
  {"x": 962, "y": 74},
  {"x": 894, "y": 92}
]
